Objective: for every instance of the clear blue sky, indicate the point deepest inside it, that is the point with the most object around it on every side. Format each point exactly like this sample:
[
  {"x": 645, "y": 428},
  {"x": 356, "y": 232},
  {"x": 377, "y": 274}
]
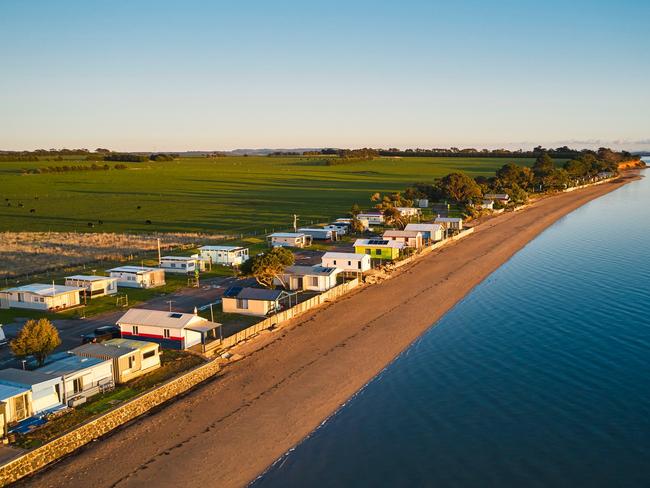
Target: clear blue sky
[{"x": 179, "y": 75}]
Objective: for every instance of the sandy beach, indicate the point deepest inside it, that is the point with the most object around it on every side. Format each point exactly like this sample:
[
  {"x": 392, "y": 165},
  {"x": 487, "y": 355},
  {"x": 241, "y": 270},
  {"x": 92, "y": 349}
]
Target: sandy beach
[{"x": 228, "y": 431}]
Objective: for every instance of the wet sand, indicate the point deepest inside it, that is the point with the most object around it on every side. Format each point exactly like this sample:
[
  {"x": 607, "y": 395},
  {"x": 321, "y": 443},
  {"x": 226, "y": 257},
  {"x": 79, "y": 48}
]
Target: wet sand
[{"x": 230, "y": 430}]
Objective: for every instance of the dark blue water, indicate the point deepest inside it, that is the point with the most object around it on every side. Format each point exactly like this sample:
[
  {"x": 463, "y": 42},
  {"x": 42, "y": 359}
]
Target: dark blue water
[{"x": 540, "y": 377}]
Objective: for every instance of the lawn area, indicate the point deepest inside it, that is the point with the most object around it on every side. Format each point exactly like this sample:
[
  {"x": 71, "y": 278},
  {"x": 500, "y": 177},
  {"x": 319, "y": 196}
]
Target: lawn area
[
  {"x": 173, "y": 363},
  {"x": 235, "y": 195}
]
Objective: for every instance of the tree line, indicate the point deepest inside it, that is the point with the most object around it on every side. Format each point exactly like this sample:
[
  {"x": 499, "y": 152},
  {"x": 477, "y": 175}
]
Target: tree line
[{"x": 67, "y": 168}]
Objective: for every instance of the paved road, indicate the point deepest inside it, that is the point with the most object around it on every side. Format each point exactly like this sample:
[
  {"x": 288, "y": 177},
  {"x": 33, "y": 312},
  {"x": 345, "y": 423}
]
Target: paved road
[{"x": 71, "y": 330}]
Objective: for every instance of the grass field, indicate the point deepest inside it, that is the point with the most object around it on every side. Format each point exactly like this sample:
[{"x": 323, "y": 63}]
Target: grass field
[{"x": 232, "y": 195}]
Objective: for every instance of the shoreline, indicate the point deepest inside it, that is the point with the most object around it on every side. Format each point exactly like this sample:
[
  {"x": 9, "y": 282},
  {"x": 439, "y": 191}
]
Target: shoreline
[{"x": 231, "y": 430}]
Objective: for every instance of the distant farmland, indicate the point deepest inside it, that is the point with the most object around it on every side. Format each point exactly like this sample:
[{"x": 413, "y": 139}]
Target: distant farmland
[{"x": 220, "y": 195}]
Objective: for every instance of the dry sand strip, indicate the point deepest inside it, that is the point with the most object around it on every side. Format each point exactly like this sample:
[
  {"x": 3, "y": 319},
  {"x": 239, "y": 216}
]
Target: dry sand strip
[{"x": 230, "y": 430}]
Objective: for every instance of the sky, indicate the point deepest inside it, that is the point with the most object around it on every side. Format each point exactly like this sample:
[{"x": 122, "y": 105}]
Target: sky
[{"x": 141, "y": 75}]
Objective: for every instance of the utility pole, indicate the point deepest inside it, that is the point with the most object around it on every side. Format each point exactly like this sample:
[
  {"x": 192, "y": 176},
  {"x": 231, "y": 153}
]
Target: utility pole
[
  {"x": 159, "y": 258},
  {"x": 170, "y": 304},
  {"x": 295, "y": 223}
]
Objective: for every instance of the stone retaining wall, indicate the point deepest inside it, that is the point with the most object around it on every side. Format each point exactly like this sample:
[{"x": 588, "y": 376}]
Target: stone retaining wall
[{"x": 38, "y": 458}]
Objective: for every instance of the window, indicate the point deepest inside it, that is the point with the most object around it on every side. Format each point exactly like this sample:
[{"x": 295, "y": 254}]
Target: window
[
  {"x": 334, "y": 262},
  {"x": 242, "y": 303},
  {"x": 368, "y": 251},
  {"x": 135, "y": 330},
  {"x": 349, "y": 263},
  {"x": 148, "y": 354},
  {"x": 359, "y": 265},
  {"x": 166, "y": 333},
  {"x": 378, "y": 252},
  {"x": 21, "y": 297},
  {"x": 131, "y": 362},
  {"x": 78, "y": 385},
  {"x": 314, "y": 281}
]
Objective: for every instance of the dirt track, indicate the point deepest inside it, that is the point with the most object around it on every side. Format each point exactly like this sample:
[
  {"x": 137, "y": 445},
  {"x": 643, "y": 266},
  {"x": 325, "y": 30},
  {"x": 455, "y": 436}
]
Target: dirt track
[{"x": 228, "y": 431}]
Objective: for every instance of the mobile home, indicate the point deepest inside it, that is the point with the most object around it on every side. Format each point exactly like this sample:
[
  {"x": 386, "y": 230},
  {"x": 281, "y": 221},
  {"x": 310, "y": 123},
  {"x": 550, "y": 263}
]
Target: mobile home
[
  {"x": 46, "y": 389},
  {"x": 410, "y": 238},
  {"x": 15, "y": 405},
  {"x": 319, "y": 233},
  {"x": 373, "y": 218},
  {"x": 311, "y": 278},
  {"x": 138, "y": 276},
  {"x": 450, "y": 224},
  {"x": 289, "y": 239},
  {"x": 346, "y": 261},
  {"x": 225, "y": 255},
  {"x": 82, "y": 377},
  {"x": 182, "y": 264},
  {"x": 41, "y": 297},
  {"x": 430, "y": 232},
  {"x": 131, "y": 358},
  {"x": 93, "y": 286}
]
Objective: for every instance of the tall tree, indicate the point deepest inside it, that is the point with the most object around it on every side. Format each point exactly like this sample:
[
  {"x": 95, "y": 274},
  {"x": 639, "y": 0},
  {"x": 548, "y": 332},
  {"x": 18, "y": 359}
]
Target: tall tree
[
  {"x": 38, "y": 338},
  {"x": 267, "y": 266},
  {"x": 460, "y": 188}
]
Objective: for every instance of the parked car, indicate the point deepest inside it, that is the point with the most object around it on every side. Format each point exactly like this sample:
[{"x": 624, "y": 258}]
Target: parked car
[{"x": 101, "y": 334}]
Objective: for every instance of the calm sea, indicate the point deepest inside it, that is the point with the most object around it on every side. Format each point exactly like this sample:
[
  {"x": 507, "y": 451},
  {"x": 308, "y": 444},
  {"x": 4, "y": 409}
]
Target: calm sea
[{"x": 539, "y": 377}]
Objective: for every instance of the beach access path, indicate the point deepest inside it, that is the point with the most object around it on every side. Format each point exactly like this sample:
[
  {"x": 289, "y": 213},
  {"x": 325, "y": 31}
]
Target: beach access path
[{"x": 228, "y": 431}]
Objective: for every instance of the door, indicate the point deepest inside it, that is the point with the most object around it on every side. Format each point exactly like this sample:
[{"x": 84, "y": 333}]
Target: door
[{"x": 20, "y": 407}]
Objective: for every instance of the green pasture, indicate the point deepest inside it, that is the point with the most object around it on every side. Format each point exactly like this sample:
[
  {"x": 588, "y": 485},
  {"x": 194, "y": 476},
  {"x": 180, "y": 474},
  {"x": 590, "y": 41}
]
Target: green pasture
[{"x": 238, "y": 195}]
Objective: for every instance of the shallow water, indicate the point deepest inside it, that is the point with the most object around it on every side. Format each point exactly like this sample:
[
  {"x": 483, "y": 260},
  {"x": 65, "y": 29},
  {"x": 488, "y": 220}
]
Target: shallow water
[{"x": 539, "y": 377}]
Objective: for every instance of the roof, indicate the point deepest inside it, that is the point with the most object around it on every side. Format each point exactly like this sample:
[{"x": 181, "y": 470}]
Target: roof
[
  {"x": 402, "y": 233},
  {"x": 131, "y": 343},
  {"x": 310, "y": 270},
  {"x": 410, "y": 209},
  {"x": 221, "y": 248},
  {"x": 343, "y": 255},
  {"x": 287, "y": 234},
  {"x": 178, "y": 258},
  {"x": 102, "y": 350},
  {"x": 7, "y": 391},
  {"x": 378, "y": 243},
  {"x": 88, "y": 278},
  {"x": 44, "y": 290},
  {"x": 233, "y": 291},
  {"x": 448, "y": 219},
  {"x": 371, "y": 212},
  {"x": 158, "y": 318},
  {"x": 423, "y": 227},
  {"x": 497, "y": 196},
  {"x": 314, "y": 229},
  {"x": 70, "y": 364},
  {"x": 134, "y": 269},
  {"x": 258, "y": 294},
  {"x": 24, "y": 377}
]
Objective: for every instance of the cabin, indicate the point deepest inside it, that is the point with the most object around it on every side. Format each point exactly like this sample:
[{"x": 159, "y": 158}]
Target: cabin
[
  {"x": 430, "y": 232},
  {"x": 46, "y": 389},
  {"x": 421, "y": 202},
  {"x": 499, "y": 197},
  {"x": 40, "y": 296},
  {"x": 253, "y": 301},
  {"x": 339, "y": 228},
  {"x": 172, "y": 330},
  {"x": 348, "y": 222},
  {"x": 348, "y": 262},
  {"x": 309, "y": 278},
  {"x": 319, "y": 233},
  {"x": 409, "y": 212},
  {"x": 450, "y": 224},
  {"x": 379, "y": 248},
  {"x": 224, "y": 255},
  {"x": 487, "y": 204},
  {"x": 410, "y": 238},
  {"x": 182, "y": 264},
  {"x": 131, "y": 358},
  {"x": 82, "y": 377},
  {"x": 15, "y": 405},
  {"x": 289, "y": 239},
  {"x": 373, "y": 218},
  {"x": 93, "y": 286},
  {"x": 138, "y": 276}
]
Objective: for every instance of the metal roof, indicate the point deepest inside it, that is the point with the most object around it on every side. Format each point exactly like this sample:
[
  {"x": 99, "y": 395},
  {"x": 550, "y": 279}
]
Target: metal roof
[
  {"x": 378, "y": 243},
  {"x": 402, "y": 233},
  {"x": 310, "y": 270},
  {"x": 178, "y": 258},
  {"x": 132, "y": 343},
  {"x": 7, "y": 391},
  {"x": 423, "y": 227},
  {"x": 89, "y": 278},
  {"x": 343, "y": 255},
  {"x": 449, "y": 219},
  {"x": 260, "y": 294},
  {"x": 102, "y": 350},
  {"x": 221, "y": 248},
  {"x": 287, "y": 234},
  {"x": 22, "y": 377},
  {"x": 159, "y": 318},
  {"x": 134, "y": 269},
  {"x": 46, "y": 290},
  {"x": 70, "y": 364}
]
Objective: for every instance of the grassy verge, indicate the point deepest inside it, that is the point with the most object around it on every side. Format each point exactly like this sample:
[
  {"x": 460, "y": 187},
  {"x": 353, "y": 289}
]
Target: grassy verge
[{"x": 173, "y": 364}]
